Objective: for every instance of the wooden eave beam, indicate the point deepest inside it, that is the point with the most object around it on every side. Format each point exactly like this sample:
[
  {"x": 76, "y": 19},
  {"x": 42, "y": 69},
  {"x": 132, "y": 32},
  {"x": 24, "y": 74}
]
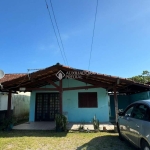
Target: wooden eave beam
[
  {"x": 41, "y": 89},
  {"x": 81, "y": 87},
  {"x": 132, "y": 91},
  {"x": 25, "y": 80},
  {"x": 98, "y": 83},
  {"x": 63, "y": 89},
  {"x": 54, "y": 84},
  {"x": 115, "y": 84},
  {"x": 39, "y": 79},
  {"x": 35, "y": 83},
  {"x": 106, "y": 77}
]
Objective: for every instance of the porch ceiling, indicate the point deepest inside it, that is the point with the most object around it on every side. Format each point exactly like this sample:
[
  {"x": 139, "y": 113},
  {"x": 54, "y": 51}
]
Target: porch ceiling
[{"x": 45, "y": 76}]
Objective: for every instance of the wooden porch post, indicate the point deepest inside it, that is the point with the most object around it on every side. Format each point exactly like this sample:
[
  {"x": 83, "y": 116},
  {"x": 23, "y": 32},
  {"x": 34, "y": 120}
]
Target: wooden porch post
[
  {"x": 9, "y": 104},
  {"x": 116, "y": 103},
  {"x": 60, "y": 95}
]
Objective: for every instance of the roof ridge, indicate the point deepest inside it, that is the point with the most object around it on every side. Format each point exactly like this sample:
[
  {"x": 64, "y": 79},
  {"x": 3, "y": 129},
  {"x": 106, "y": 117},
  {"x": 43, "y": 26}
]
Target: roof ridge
[{"x": 15, "y": 73}]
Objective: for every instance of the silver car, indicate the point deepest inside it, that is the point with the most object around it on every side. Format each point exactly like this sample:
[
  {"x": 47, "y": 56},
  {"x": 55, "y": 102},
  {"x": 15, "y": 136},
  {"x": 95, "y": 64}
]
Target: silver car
[{"x": 134, "y": 124}]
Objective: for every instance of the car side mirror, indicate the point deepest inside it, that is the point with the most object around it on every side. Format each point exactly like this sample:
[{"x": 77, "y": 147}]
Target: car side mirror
[{"x": 121, "y": 113}]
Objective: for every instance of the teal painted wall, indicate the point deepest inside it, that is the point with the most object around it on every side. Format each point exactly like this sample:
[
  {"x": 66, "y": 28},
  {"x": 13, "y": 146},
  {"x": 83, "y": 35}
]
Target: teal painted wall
[
  {"x": 125, "y": 100},
  {"x": 70, "y": 103},
  {"x": 32, "y": 107},
  {"x": 75, "y": 114},
  {"x": 139, "y": 96}
]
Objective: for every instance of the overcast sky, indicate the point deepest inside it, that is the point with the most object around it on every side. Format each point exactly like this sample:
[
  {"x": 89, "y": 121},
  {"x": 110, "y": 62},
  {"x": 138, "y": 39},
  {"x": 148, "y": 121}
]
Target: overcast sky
[{"x": 121, "y": 43}]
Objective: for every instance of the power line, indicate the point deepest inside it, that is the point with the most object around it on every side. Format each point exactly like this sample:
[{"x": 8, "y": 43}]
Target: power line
[
  {"x": 54, "y": 31},
  {"x": 93, "y": 35},
  {"x": 58, "y": 32}
]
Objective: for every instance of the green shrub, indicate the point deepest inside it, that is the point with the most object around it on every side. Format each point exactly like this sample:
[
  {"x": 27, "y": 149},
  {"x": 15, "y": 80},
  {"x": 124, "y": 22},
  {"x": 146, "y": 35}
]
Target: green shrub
[
  {"x": 7, "y": 123},
  {"x": 61, "y": 123}
]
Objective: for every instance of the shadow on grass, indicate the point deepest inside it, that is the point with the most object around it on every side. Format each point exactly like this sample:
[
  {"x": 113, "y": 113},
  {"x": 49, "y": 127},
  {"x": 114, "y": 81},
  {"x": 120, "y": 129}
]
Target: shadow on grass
[
  {"x": 107, "y": 142},
  {"x": 31, "y": 133}
]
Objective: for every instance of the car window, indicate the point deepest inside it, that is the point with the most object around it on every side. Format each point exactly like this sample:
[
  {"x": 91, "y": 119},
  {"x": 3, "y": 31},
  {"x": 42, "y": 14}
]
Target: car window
[
  {"x": 147, "y": 116},
  {"x": 128, "y": 112},
  {"x": 140, "y": 112}
]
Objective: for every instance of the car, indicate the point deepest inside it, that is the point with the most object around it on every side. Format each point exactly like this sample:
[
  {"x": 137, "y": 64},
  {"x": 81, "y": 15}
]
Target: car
[{"x": 133, "y": 124}]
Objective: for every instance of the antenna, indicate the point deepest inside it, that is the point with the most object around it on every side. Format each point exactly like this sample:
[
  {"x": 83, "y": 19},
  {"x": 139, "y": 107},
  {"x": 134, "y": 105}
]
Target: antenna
[
  {"x": 31, "y": 70},
  {"x": 2, "y": 74}
]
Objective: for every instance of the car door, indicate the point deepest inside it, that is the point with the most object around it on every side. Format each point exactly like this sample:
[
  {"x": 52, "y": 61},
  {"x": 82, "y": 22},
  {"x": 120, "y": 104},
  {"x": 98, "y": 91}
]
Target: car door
[
  {"x": 135, "y": 123},
  {"x": 123, "y": 121},
  {"x": 145, "y": 131}
]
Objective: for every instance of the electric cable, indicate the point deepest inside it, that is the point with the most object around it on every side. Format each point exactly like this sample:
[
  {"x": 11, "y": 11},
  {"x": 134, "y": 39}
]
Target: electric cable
[
  {"x": 59, "y": 32},
  {"x": 54, "y": 31},
  {"x": 93, "y": 35}
]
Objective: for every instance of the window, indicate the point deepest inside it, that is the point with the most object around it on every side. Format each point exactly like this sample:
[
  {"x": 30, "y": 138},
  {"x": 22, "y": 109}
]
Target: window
[
  {"x": 141, "y": 112},
  {"x": 128, "y": 112},
  {"x": 87, "y": 100}
]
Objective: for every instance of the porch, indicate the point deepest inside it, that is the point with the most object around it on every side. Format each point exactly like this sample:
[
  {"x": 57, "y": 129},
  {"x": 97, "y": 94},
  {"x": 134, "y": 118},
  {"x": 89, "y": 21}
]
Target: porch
[{"x": 70, "y": 126}]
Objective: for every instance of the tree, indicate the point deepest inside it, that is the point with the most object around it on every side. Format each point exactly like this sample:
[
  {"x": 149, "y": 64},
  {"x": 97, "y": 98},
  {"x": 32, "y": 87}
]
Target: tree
[{"x": 143, "y": 78}]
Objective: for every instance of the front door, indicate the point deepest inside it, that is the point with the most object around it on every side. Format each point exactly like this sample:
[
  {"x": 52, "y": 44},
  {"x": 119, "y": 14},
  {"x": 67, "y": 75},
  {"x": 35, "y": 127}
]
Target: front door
[{"x": 47, "y": 105}]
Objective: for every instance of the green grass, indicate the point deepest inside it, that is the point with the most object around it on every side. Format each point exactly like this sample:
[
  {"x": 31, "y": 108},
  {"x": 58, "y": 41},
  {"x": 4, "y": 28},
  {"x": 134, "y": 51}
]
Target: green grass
[{"x": 48, "y": 140}]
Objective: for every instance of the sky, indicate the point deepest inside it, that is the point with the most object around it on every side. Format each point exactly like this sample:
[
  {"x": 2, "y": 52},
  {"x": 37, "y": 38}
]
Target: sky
[{"x": 121, "y": 44}]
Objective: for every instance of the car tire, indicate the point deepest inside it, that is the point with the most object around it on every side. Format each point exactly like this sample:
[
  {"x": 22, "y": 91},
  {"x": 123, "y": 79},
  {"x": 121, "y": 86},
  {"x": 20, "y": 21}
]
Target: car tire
[
  {"x": 120, "y": 135},
  {"x": 144, "y": 145}
]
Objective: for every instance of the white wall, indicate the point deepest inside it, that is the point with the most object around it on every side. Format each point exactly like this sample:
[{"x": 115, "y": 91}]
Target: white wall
[
  {"x": 3, "y": 101},
  {"x": 20, "y": 102}
]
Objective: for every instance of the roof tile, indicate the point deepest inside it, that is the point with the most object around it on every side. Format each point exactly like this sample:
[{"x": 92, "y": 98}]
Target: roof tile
[{"x": 9, "y": 77}]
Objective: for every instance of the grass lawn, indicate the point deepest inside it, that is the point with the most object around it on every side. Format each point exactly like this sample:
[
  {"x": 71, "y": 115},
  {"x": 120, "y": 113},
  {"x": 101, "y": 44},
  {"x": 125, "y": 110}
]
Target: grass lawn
[{"x": 48, "y": 140}]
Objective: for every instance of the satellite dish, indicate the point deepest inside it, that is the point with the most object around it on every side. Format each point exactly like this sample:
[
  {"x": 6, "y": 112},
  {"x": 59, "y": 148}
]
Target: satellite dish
[{"x": 1, "y": 74}]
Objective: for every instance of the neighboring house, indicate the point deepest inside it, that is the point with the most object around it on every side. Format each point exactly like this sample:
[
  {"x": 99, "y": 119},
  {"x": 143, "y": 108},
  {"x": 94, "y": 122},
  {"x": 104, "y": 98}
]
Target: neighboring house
[
  {"x": 76, "y": 93},
  {"x": 20, "y": 101},
  {"x": 3, "y": 104}
]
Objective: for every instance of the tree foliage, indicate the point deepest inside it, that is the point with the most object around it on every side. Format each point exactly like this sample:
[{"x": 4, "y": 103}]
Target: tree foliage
[{"x": 143, "y": 78}]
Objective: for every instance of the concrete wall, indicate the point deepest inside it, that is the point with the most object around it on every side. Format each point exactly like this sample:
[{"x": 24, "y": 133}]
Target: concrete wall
[
  {"x": 75, "y": 114},
  {"x": 4, "y": 101},
  {"x": 123, "y": 102},
  {"x": 70, "y": 103},
  {"x": 139, "y": 96},
  {"x": 20, "y": 103}
]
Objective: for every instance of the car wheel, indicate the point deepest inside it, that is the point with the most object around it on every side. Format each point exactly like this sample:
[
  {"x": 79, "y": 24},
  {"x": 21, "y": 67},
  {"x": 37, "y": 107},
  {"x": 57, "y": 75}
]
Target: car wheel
[
  {"x": 120, "y": 135},
  {"x": 145, "y": 145}
]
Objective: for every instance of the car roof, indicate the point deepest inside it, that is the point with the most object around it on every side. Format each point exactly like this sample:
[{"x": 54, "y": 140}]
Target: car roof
[{"x": 147, "y": 102}]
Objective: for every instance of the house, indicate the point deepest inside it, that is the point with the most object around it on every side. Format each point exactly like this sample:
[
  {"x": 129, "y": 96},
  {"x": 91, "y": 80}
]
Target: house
[
  {"x": 78, "y": 94},
  {"x": 20, "y": 100}
]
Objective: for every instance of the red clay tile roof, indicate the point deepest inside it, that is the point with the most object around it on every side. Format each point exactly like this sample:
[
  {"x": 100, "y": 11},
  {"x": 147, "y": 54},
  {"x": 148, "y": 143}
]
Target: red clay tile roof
[
  {"x": 43, "y": 77},
  {"x": 9, "y": 77}
]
